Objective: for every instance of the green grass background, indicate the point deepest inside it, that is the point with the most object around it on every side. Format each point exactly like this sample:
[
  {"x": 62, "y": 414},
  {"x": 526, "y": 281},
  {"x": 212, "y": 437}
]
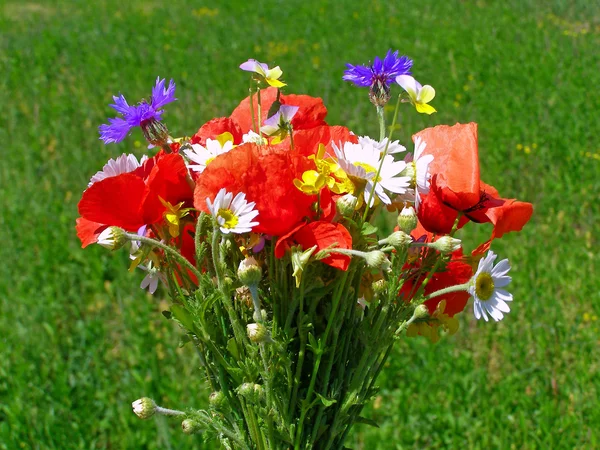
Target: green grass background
[{"x": 79, "y": 340}]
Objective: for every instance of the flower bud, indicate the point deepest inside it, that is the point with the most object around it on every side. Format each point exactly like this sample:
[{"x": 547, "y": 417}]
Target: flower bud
[
  {"x": 379, "y": 286},
  {"x": 407, "y": 220},
  {"x": 144, "y": 408},
  {"x": 249, "y": 272},
  {"x": 251, "y": 391},
  {"x": 397, "y": 239},
  {"x": 346, "y": 205},
  {"x": 258, "y": 333},
  {"x": 421, "y": 312},
  {"x": 446, "y": 244},
  {"x": 155, "y": 132},
  {"x": 190, "y": 426},
  {"x": 377, "y": 259},
  {"x": 113, "y": 238},
  {"x": 217, "y": 400}
]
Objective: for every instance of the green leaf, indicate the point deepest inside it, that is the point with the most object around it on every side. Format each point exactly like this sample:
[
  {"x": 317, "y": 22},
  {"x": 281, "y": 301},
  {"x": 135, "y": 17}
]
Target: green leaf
[
  {"x": 167, "y": 314},
  {"x": 368, "y": 229},
  {"x": 326, "y": 401},
  {"x": 366, "y": 421},
  {"x": 183, "y": 316},
  {"x": 232, "y": 348}
]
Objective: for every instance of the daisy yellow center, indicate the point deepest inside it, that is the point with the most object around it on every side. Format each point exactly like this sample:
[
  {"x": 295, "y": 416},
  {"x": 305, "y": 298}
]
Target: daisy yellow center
[
  {"x": 230, "y": 219},
  {"x": 369, "y": 169},
  {"x": 209, "y": 160},
  {"x": 484, "y": 286}
]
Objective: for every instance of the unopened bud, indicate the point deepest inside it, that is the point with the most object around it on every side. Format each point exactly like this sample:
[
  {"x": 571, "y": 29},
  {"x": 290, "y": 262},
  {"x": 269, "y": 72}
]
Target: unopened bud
[
  {"x": 251, "y": 391},
  {"x": 346, "y": 205},
  {"x": 377, "y": 259},
  {"x": 446, "y": 244},
  {"x": 144, "y": 408},
  {"x": 397, "y": 239},
  {"x": 407, "y": 220},
  {"x": 155, "y": 132},
  {"x": 421, "y": 312},
  {"x": 249, "y": 272},
  {"x": 190, "y": 426},
  {"x": 258, "y": 333},
  {"x": 112, "y": 238},
  {"x": 379, "y": 286},
  {"x": 217, "y": 400}
]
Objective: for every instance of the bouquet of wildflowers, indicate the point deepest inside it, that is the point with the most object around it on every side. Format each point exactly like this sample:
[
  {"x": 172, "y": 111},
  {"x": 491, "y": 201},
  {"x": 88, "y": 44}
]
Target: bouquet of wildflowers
[{"x": 259, "y": 227}]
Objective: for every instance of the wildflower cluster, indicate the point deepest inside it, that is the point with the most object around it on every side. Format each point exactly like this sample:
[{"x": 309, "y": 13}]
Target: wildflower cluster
[{"x": 259, "y": 228}]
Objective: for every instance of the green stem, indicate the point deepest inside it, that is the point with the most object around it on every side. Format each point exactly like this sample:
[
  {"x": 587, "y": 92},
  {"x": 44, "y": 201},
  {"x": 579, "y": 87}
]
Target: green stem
[
  {"x": 252, "y": 106},
  {"x": 381, "y": 117},
  {"x": 313, "y": 378},
  {"x": 448, "y": 290},
  {"x": 171, "y": 251},
  {"x": 387, "y": 144}
]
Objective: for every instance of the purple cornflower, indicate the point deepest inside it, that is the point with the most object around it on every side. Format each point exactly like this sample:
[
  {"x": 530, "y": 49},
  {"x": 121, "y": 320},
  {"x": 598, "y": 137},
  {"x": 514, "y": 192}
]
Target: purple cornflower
[
  {"x": 138, "y": 115},
  {"x": 380, "y": 72}
]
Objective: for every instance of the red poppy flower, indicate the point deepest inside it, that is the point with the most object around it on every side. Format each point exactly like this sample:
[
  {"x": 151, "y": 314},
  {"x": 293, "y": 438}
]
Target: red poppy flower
[
  {"x": 456, "y": 186},
  {"x": 457, "y": 271},
  {"x": 323, "y": 235},
  {"x": 266, "y": 176},
  {"x": 311, "y": 114},
  {"x": 132, "y": 199},
  {"x": 215, "y": 127}
]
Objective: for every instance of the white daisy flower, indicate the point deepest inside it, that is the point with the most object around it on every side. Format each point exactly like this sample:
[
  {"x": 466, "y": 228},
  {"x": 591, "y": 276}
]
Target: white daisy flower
[
  {"x": 254, "y": 138},
  {"x": 363, "y": 161},
  {"x": 123, "y": 164},
  {"x": 234, "y": 215},
  {"x": 200, "y": 156},
  {"x": 485, "y": 288},
  {"x": 394, "y": 146},
  {"x": 421, "y": 170}
]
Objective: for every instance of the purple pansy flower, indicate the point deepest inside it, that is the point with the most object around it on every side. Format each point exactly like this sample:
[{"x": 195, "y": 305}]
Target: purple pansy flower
[
  {"x": 382, "y": 72},
  {"x": 134, "y": 116}
]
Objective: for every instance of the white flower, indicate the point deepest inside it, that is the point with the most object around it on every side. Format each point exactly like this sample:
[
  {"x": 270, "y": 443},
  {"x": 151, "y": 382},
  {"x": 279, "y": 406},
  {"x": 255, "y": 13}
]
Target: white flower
[
  {"x": 123, "y": 164},
  {"x": 422, "y": 176},
  {"x": 233, "y": 216},
  {"x": 152, "y": 278},
  {"x": 394, "y": 146},
  {"x": 112, "y": 238},
  {"x": 485, "y": 287},
  {"x": 254, "y": 138},
  {"x": 201, "y": 156},
  {"x": 363, "y": 161}
]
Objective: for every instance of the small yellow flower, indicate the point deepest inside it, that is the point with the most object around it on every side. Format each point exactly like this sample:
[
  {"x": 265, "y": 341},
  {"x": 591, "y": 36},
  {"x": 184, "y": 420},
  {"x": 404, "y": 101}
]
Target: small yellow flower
[
  {"x": 270, "y": 76},
  {"x": 419, "y": 95},
  {"x": 312, "y": 182},
  {"x": 173, "y": 215}
]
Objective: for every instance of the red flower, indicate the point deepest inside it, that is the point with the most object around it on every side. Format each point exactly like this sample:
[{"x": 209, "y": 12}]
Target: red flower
[
  {"x": 215, "y": 127},
  {"x": 323, "y": 235},
  {"x": 132, "y": 199},
  {"x": 457, "y": 271},
  {"x": 456, "y": 186},
  {"x": 311, "y": 114},
  {"x": 266, "y": 176}
]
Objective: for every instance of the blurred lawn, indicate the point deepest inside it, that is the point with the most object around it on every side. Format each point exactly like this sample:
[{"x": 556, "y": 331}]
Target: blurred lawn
[{"x": 79, "y": 340}]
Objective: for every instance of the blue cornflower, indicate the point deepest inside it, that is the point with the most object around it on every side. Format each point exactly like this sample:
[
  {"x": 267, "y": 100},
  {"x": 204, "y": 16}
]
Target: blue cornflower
[
  {"x": 381, "y": 73},
  {"x": 139, "y": 115}
]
